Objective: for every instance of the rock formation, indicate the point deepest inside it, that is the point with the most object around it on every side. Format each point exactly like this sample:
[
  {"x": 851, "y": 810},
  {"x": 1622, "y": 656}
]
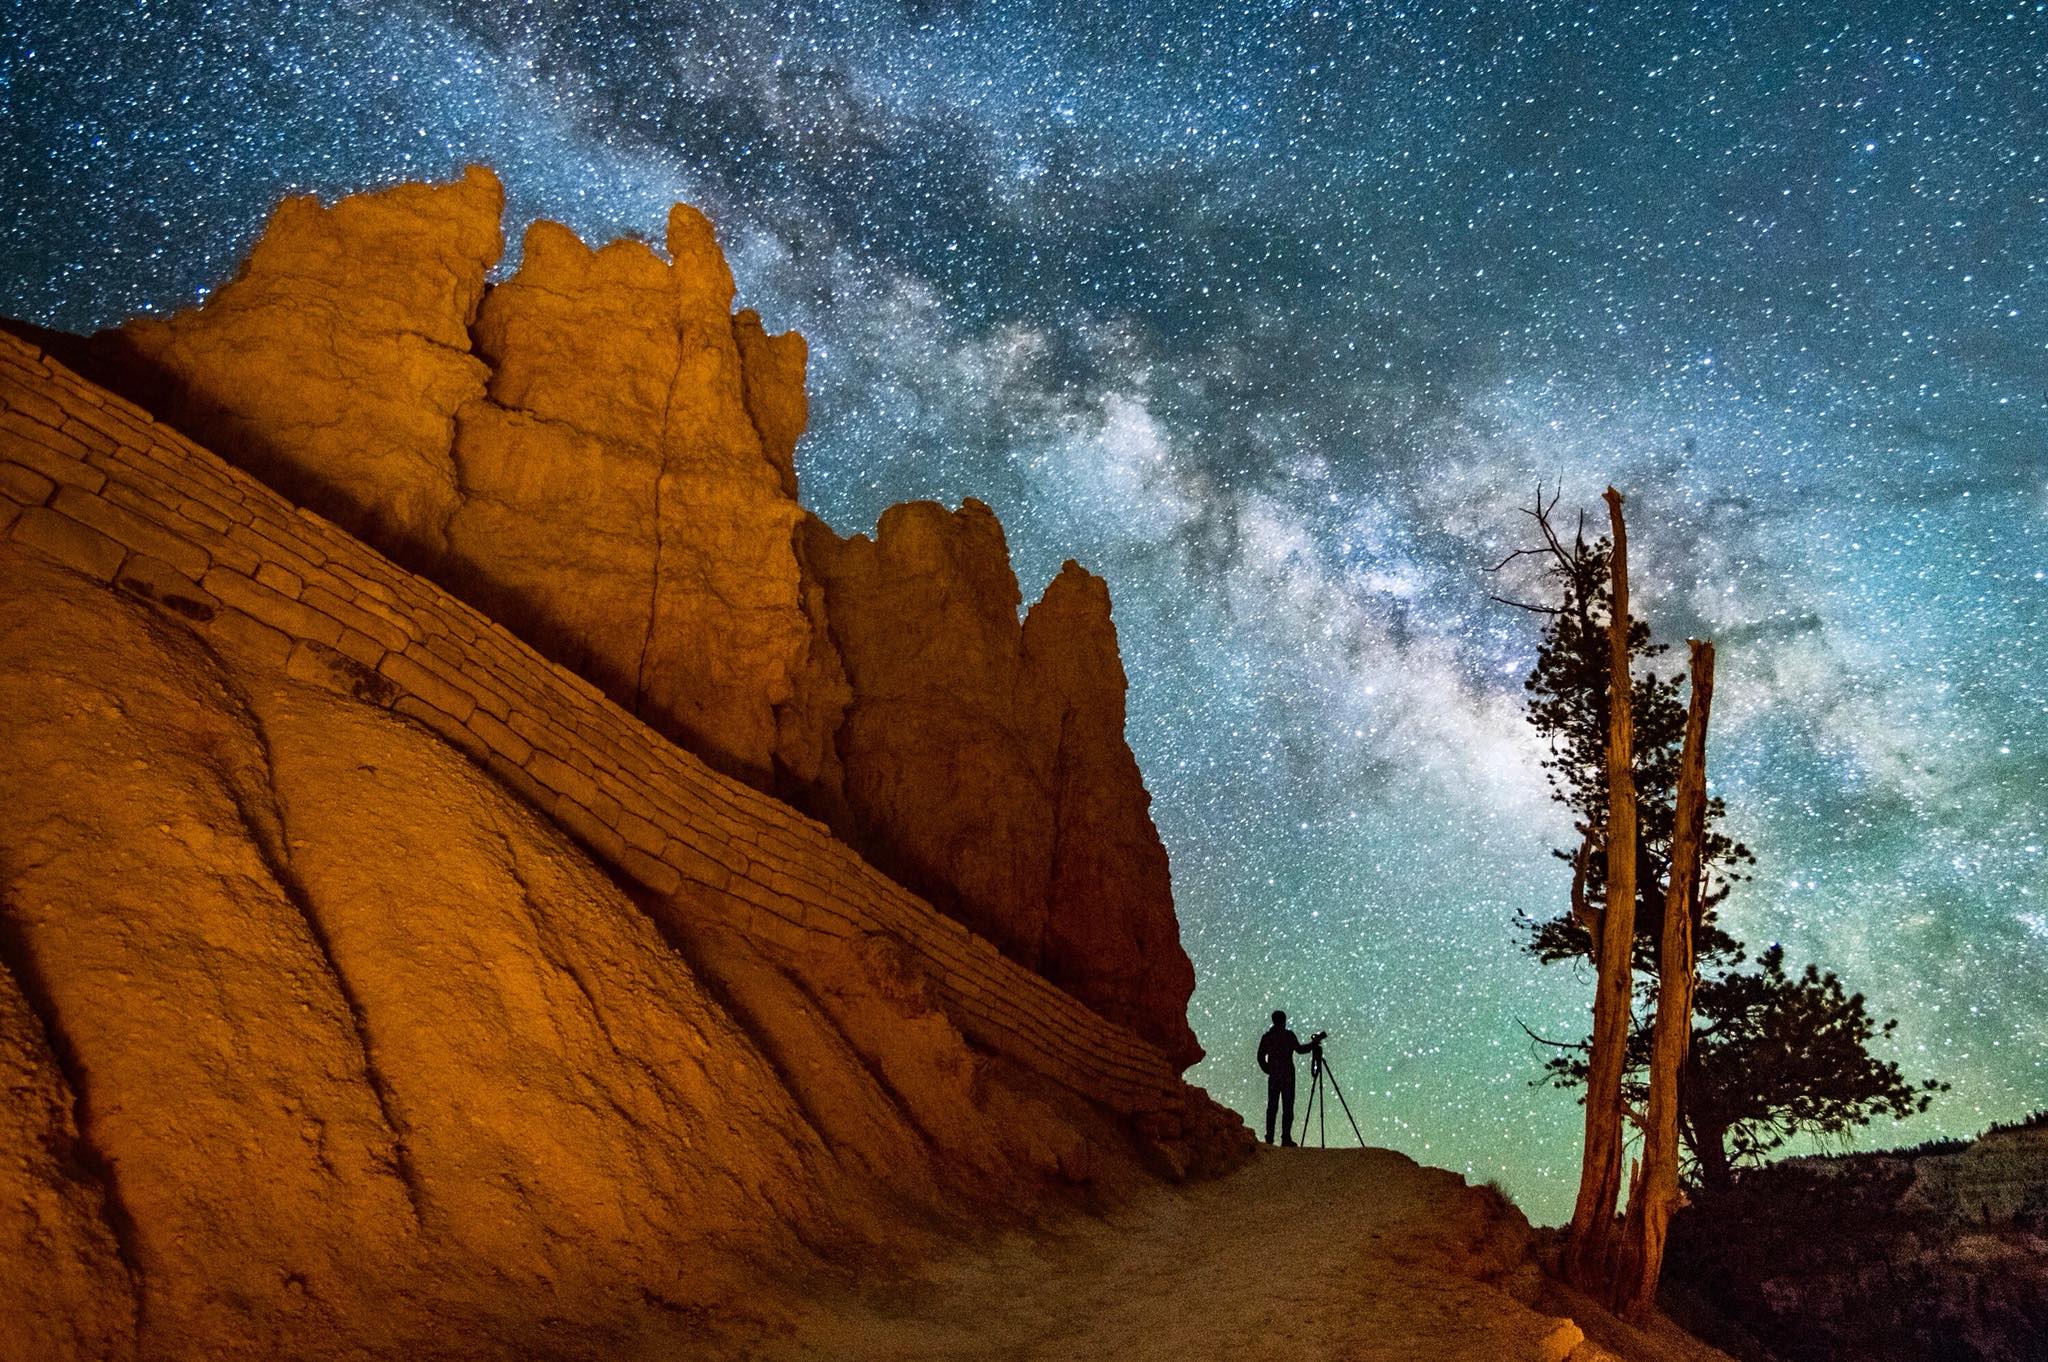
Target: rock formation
[
  {"x": 618, "y": 503},
  {"x": 371, "y": 988},
  {"x": 356, "y": 1036},
  {"x": 334, "y": 364},
  {"x": 986, "y": 758},
  {"x": 1920, "y": 1255},
  {"x": 1110, "y": 932},
  {"x": 598, "y": 453}
]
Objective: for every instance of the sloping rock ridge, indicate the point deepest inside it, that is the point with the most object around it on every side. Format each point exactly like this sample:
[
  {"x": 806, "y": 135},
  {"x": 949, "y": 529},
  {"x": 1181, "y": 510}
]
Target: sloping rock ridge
[
  {"x": 600, "y": 454},
  {"x": 372, "y": 987}
]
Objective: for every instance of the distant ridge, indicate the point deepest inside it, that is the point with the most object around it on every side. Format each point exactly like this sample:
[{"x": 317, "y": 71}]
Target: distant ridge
[{"x": 1936, "y": 1252}]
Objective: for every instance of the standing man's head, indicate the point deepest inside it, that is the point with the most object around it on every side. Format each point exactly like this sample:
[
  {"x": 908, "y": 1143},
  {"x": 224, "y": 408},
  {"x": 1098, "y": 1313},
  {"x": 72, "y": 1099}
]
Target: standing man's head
[{"x": 1279, "y": 1018}]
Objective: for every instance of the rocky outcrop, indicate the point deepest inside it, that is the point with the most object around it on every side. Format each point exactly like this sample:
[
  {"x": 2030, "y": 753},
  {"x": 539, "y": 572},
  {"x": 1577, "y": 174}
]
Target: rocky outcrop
[
  {"x": 1998, "y": 1178},
  {"x": 364, "y": 1048},
  {"x": 937, "y": 771},
  {"x": 1922, "y": 1255},
  {"x": 601, "y": 455},
  {"x": 1110, "y": 930},
  {"x": 334, "y": 364},
  {"x": 619, "y": 506},
  {"x": 985, "y": 759},
  {"x": 370, "y": 987},
  {"x": 575, "y": 449}
]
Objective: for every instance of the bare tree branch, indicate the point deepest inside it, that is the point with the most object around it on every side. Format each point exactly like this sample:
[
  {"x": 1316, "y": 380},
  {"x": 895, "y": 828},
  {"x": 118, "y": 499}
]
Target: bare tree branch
[
  {"x": 1520, "y": 553},
  {"x": 1550, "y": 547},
  {"x": 1524, "y": 605},
  {"x": 1545, "y": 1040}
]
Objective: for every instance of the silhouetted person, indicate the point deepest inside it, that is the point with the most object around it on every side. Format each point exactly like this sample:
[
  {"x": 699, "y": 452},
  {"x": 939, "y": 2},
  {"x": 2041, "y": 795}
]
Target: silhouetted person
[{"x": 1277, "y": 1049}]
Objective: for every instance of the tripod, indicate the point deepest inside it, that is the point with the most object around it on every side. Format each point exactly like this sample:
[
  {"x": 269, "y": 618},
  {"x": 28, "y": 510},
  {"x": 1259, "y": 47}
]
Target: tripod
[{"x": 1320, "y": 1068}]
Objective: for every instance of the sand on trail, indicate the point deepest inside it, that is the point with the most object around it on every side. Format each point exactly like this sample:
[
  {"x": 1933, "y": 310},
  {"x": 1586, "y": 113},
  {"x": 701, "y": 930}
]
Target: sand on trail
[{"x": 1303, "y": 1254}]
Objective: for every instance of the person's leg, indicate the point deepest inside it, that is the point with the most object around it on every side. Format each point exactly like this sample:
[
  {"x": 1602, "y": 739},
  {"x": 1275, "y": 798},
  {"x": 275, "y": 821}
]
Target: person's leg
[
  {"x": 1287, "y": 1113},
  {"x": 1272, "y": 1105}
]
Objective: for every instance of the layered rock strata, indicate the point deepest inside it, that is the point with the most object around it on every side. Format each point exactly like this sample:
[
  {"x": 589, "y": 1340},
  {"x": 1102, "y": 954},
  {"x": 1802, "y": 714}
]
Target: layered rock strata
[
  {"x": 371, "y": 987},
  {"x": 600, "y": 454}
]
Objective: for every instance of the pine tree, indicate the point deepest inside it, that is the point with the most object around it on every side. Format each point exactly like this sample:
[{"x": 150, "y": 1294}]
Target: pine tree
[
  {"x": 1568, "y": 704},
  {"x": 1773, "y": 1054}
]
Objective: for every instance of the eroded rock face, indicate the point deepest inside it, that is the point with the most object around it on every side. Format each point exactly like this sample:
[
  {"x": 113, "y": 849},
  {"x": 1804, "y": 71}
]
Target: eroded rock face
[
  {"x": 1110, "y": 931},
  {"x": 334, "y": 364},
  {"x": 940, "y": 773},
  {"x": 985, "y": 761},
  {"x": 64, "y": 1288},
  {"x": 601, "y": 455},
  {"x": 619, "y": 504},
  {"x": 1920, "y": 1255},
  {"x": 319, "y": 1043}
]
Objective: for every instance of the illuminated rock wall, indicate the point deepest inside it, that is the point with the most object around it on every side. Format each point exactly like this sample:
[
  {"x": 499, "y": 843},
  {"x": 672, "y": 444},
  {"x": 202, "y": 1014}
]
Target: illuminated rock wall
[
  {"x": 600, "y": 455},
  {"x": 327, "y": 1038}
]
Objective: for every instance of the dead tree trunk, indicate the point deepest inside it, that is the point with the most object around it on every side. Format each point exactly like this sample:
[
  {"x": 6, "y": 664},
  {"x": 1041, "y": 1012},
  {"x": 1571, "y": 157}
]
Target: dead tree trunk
[
  {"x": 1643, "y": 1255},
  {"x": 1589, "y": 1249}
]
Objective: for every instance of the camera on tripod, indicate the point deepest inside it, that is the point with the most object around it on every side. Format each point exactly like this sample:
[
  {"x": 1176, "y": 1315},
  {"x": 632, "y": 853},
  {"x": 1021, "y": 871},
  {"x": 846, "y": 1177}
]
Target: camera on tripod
[{"x": 1318, "y": 1103}]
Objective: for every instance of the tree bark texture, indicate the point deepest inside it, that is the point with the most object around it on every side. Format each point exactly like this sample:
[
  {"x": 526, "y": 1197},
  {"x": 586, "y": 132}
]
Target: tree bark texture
[
  {"x": 1643, "y": 1255},
  {"x": 1590, "y": 1246}
]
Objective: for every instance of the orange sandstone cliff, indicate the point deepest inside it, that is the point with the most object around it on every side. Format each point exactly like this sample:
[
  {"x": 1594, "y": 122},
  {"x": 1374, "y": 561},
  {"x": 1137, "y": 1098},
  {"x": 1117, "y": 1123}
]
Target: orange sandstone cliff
[
  {"x": 600, "y": 454},
  {"x": 371, "y": 986}
]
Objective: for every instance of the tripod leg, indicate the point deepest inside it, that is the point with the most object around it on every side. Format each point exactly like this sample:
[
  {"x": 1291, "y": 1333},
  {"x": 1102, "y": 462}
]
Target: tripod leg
[{"x": 1346, "y": 1105}]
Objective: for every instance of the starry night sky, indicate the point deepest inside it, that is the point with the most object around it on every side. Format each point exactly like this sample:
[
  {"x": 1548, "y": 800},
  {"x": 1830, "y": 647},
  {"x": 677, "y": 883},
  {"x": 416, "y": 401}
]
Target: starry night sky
[{"x": 1273, "y": 314}]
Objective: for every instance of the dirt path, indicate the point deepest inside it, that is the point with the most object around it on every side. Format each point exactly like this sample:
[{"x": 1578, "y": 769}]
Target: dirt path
[{"x": 1304, "y": 1254}]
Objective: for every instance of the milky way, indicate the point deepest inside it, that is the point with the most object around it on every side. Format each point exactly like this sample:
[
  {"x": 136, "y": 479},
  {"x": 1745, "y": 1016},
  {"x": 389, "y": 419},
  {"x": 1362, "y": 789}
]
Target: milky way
[{"x": 1273, "y": 314}]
